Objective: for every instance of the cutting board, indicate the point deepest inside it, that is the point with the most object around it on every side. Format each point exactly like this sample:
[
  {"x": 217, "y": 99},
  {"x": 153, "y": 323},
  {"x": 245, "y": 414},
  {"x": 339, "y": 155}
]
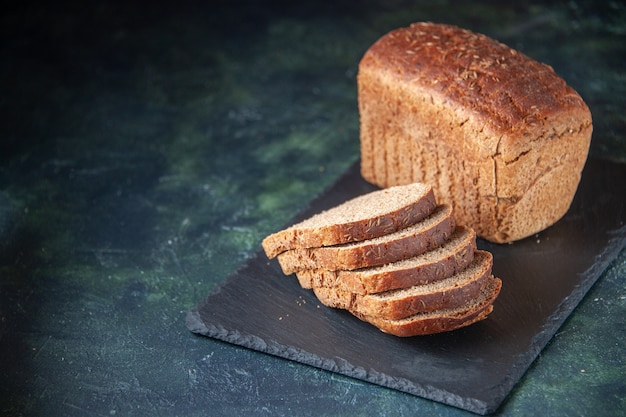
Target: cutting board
[{"x": 474, "y": 368}]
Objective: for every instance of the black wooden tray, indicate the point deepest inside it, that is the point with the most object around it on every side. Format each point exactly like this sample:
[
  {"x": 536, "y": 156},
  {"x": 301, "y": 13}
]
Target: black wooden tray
[{"x": 544, "y": 278}]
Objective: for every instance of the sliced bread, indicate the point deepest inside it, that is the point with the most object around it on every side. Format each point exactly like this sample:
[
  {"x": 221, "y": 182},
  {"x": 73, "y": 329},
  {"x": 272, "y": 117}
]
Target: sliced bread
[
  {"x": 442, "y": 262},
  {"x": 448, "y": 293},
  {"x": 365, "y": 217},
  {"x": 403, "y": 244},
  {"x": 474, "y": 310}
]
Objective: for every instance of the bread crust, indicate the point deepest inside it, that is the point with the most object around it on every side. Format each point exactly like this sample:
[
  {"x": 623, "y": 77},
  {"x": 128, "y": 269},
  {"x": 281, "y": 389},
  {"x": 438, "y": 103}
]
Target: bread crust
[
  {"x": 452, "y": 292},
  {"x": 403, "y": 244},
  {"x": 499, "y": 136},
  {"x": 403, "y": 206},
  {"x": 441, "y": 320},
  {"x": 451, "y": 257}
]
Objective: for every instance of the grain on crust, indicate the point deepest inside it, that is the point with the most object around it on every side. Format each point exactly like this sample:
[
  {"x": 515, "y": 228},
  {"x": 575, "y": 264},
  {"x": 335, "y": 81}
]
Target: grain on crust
[{"x": 499, "y": 136}]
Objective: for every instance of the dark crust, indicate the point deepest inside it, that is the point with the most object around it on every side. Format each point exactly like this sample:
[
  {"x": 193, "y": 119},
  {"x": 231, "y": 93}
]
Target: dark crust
[
  {"x": 505, "y": 87},
  {"x": 368, "y": 281},
  {"x": 365, "y": 254},
  {"x": 388, "y": 306},
  {"x": 443, "y": 323},
  {"x": 335, "y": 234}
]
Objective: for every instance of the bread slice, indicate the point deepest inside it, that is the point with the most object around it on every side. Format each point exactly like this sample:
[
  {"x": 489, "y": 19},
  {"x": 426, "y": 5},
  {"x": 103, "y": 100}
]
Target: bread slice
[
  {"x": 444, "y": 320},
  {"x": 406, "y": 243},
  {"x": 451, "y": 257},
  {"x": 448, "y": 293},
  {"x": 365, "y": 217},
  {"x": 499, "y": 136}
]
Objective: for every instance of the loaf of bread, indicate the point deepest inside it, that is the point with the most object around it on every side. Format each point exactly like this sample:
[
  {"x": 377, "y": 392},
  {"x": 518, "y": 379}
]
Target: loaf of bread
[
  {"x": 499, "y": 136},
  {"x": 453, "y": 256},
  {"x": 448, "y": 293},
  {"x": 403, "y": 244},
  {"x": 368, "y": 216}
]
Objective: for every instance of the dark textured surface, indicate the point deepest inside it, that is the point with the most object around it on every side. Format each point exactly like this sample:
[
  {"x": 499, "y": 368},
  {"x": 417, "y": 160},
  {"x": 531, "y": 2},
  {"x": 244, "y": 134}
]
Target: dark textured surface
[
  {"x": 145, "y": 151},
  {"x": 544, "y": 278}
]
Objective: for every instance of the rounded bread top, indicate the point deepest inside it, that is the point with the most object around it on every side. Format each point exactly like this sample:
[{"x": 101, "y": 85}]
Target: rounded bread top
[{"x": 509, "y": 90}]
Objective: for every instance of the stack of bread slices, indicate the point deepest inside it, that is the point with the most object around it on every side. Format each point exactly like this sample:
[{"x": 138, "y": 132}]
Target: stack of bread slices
[{"x": 393, "y": 258}]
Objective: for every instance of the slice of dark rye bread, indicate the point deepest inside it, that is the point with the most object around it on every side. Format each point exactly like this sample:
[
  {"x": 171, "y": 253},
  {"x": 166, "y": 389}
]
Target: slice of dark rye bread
[
  {"x": 368, "y": 216},
  {"x": 416, "y": 273},
  {"x": 451, "y": 257},
  {"x": 439, "y": 321},
  {"x": 449, "y": 293},
  {"x": 418, "y": 238}
]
